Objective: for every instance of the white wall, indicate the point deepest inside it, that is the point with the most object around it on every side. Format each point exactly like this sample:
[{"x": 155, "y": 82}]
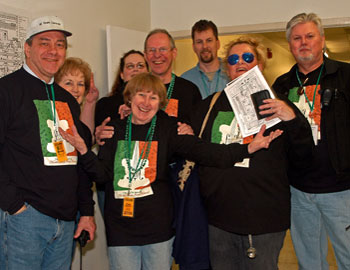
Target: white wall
[{"x": 181, "y": 14}]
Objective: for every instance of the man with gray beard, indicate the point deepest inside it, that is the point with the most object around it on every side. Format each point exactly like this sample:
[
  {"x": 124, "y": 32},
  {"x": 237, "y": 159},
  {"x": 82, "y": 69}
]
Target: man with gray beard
[{"x": 320, "y": 88}]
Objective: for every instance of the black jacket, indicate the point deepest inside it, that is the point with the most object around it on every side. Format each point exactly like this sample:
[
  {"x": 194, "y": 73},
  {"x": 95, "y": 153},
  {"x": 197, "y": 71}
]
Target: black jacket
[{"x": 335, "y": 117}]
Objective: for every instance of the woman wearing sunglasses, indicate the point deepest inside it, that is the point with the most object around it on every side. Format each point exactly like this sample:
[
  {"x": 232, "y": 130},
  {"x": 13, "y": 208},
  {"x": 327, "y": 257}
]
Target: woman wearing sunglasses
[{"x": 248, "y": 205}]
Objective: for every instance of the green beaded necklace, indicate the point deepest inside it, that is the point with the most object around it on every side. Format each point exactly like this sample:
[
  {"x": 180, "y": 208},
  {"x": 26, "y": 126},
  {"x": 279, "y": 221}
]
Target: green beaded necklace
[
  {"x": 170, "y": 90},
  {"x": 145, "y": 150}
]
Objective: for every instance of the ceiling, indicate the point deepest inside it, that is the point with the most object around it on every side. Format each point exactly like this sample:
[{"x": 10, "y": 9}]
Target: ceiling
[{"x": 337, "y": 42}]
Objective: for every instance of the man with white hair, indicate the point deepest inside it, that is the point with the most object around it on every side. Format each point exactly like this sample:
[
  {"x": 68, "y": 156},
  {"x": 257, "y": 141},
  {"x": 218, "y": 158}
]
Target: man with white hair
[
  {"x": 40, "y": 184},
  {"x": 320, "y": 87}
]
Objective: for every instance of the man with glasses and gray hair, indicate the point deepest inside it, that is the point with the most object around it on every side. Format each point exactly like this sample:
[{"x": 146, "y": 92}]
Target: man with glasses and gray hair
[
  {"x": 160, "y": 52},
  {"x": 320, "y": 87}
]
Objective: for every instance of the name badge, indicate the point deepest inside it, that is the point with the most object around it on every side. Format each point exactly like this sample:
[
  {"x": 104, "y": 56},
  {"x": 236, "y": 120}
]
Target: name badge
[
  {"x": 314, "y": 129},
  {"x": 128, "y": 207},
  {"x": 60, "y": 151}
]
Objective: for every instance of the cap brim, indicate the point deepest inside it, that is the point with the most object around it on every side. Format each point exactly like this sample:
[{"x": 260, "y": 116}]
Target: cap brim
[{"x": 66, "y": 33}]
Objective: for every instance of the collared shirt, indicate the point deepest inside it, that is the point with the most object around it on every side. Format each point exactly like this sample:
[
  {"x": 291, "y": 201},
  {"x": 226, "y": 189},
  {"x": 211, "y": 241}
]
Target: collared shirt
[
  {"x": 26, "y": 68},
  {"x": 206, "y": 86}
]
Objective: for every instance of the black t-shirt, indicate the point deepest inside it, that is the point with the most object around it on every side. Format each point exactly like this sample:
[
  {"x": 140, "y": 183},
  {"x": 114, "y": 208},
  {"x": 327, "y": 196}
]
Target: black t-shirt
[
  {"x": 185, "y": 95},
  {"x": 29, "y": 169}
]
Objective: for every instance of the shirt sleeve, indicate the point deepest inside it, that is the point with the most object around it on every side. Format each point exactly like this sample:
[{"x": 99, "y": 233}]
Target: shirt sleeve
[{"x": 10, "y": 198}]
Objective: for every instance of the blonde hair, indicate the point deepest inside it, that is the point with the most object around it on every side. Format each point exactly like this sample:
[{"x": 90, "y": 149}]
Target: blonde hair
[{"x": 256, "y": 45}]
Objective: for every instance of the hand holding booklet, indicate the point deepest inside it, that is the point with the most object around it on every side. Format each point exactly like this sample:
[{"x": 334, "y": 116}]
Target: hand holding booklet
[{"x": 245, "y": 94}]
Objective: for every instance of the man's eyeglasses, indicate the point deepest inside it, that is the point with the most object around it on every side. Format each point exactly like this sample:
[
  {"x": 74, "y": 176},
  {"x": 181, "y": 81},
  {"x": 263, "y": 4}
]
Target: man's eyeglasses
[
  {"x": 234, "y": 58},
  {"x": 131, "y": 66},
  {"x": 162, "y": 50}
]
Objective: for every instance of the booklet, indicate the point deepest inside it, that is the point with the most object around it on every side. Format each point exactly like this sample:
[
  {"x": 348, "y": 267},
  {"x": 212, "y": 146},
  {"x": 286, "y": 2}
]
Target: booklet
[{"x": 246, "y": 94}]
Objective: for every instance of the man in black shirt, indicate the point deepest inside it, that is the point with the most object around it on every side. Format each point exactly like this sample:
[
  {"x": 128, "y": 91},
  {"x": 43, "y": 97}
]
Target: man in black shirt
[
  {"x": 160, "y": 52},
  {"x": 320, "y": 87},
  {"x": 40, "y": 187}
]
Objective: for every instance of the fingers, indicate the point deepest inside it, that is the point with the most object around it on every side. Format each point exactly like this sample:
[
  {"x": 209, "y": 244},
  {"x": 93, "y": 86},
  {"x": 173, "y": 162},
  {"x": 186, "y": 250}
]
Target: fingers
[
  {"x": 74, "y": 130},
  {"x": 260, "y": 141},
  {"x": 184, "y": 129},
  {"x": 262, "y": 130},
  {"x": 124, "y": 111},
  {"x": 68, "y": 137},
  {"x": 77, "y": 232},
  {"x": 278, "y": 109},
  {"x": 106, "y": 121},
  {"x": 104, "y": 132},
  {"x": 92, "y": 82},
  {"x": 64, "y": 134},
  {"x": 275, "y": 134},
  {"x": 22, "y": 209},
  {"x": 88, "y": 224}
]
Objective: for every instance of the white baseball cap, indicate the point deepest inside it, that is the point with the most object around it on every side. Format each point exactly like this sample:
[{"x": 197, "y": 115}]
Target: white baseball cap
[{"x": 46, "y": 23}]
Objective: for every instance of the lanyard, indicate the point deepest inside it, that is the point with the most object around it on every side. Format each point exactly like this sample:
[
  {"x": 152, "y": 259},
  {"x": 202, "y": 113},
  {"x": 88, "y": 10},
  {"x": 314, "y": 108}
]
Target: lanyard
[
  {"x": 317, "y": 83},
  {"x": 145, "y": 151},
  {"x": 206, "y": 87},
  {"x": 53, "y": 109},
  {"x": 170, "y": 90},
  {"x": 53, "y": 105}
]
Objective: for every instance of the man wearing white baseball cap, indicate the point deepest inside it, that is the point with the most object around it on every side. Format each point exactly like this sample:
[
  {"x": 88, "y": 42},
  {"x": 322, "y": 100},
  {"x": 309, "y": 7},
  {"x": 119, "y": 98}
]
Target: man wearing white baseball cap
[
  {"x": 47, "y": 23},
  {"x": 41, "y": 187}
]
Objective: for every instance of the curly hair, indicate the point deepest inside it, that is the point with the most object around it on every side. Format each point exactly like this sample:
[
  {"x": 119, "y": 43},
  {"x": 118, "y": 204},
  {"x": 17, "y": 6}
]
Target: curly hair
[{"x": 256, "y": 45}]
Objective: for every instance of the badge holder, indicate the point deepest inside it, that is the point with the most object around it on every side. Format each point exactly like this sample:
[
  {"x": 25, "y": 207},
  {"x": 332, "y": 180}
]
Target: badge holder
[
  {"x": 128, "y": 207},
  {"x": 59, "y": 148}
]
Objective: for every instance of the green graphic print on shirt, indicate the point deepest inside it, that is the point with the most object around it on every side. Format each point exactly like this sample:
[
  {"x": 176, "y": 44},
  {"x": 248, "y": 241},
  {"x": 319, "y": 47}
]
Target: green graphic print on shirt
[
  {"x": 304, "y": 105},
  {"x": 140, "y": 186},
  {"x": 226, "y": 130},
  {"x": 48, "y": 131},
  {"x": 222, "y": 129}
]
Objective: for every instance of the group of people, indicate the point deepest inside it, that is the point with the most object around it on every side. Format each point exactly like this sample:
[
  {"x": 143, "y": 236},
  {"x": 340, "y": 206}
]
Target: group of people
[{"x": 293, "y": 175}]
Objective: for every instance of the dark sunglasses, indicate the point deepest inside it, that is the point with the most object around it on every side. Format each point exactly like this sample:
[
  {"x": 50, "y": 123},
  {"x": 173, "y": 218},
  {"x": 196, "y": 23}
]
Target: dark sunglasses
[{"x": 234, "y": 58}]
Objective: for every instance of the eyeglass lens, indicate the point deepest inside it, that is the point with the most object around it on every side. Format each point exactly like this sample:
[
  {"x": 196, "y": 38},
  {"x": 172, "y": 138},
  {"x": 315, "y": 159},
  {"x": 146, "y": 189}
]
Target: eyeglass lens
[{"x": 161, "y": 50}]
